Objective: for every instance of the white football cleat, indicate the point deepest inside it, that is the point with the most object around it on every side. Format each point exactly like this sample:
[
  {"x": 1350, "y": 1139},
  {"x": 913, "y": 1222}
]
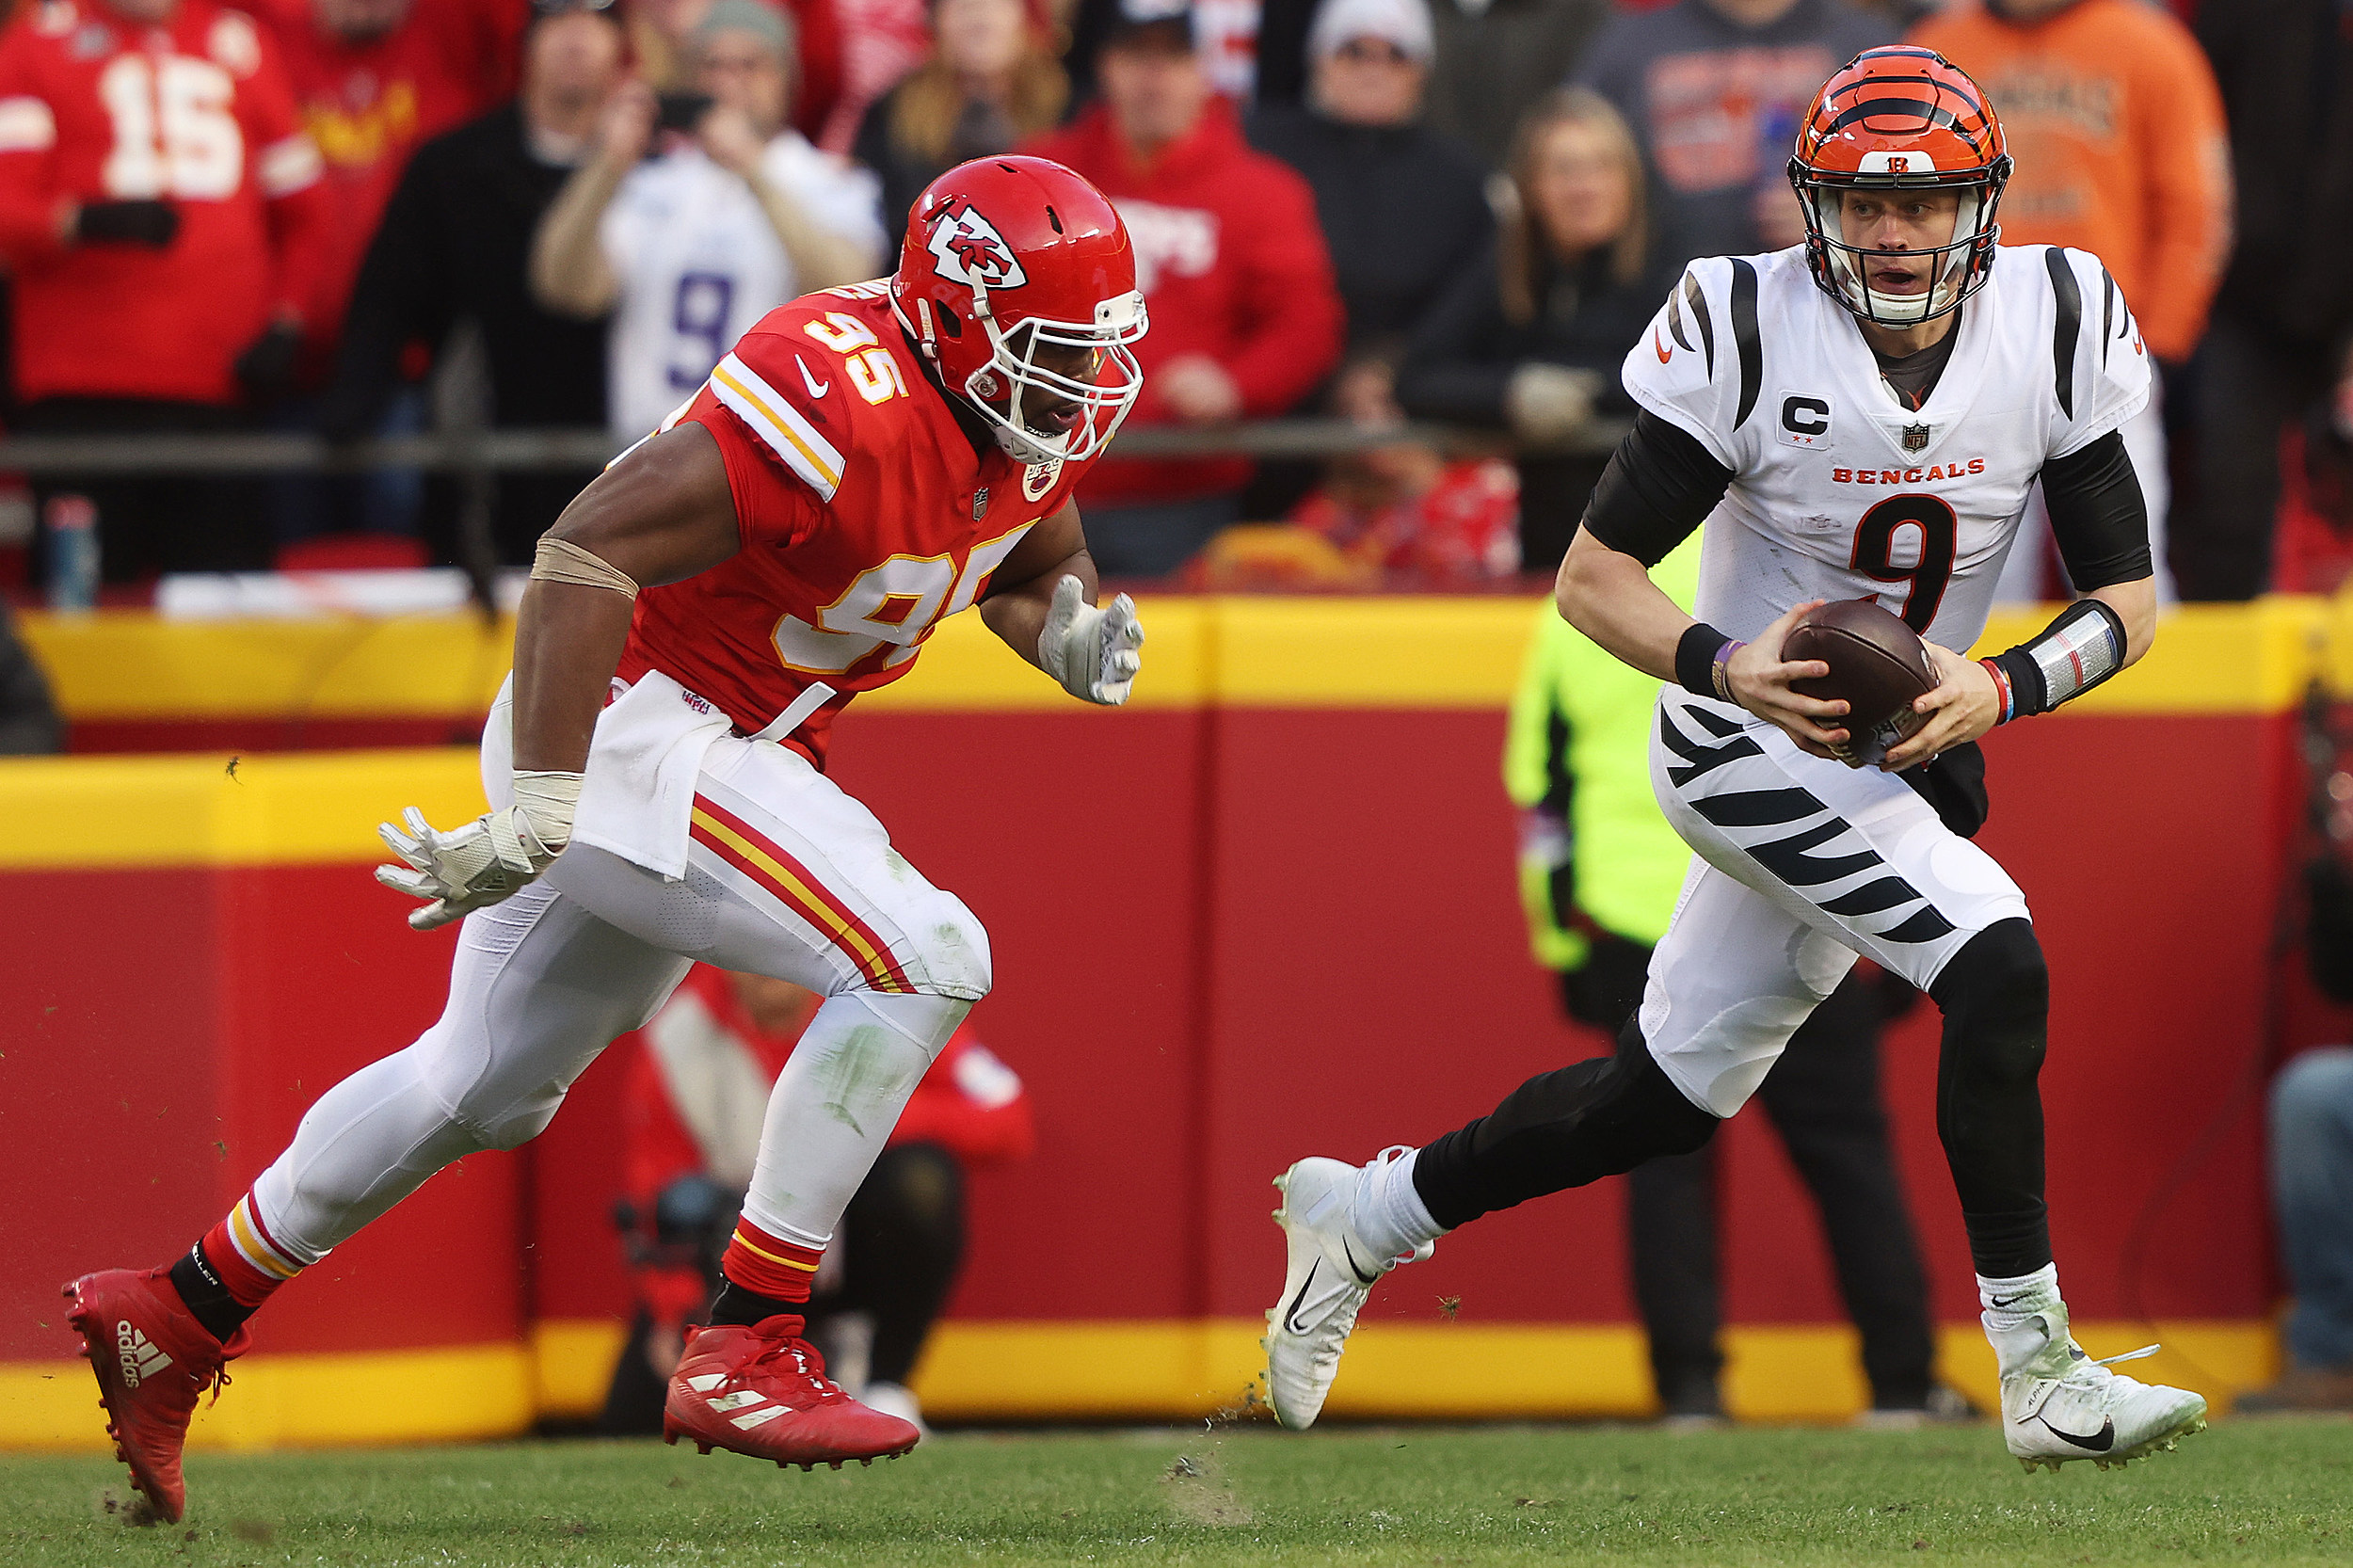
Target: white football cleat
[
  {"x": 1331, "y": 1271},
  {"x": 2061, "y": 1405}
]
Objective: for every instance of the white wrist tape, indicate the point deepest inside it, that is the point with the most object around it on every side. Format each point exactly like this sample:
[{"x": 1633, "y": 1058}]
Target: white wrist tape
[
  {"x": 562, "y": 561},
  {"x": 547, "y": 802}
]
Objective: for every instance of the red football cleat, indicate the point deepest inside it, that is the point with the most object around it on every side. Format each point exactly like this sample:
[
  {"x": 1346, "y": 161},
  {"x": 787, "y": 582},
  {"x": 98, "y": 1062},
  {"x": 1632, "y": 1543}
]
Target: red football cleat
[
  {"x": 762, "y": 1391},
  {"x": 152, "y": 1358}
]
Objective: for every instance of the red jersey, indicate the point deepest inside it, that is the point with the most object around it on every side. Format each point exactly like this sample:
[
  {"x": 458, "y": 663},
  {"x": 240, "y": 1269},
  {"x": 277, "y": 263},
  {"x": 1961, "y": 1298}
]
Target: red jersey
[
  {"x": 368, "y": 106},
  {"x": 195, "y": 111},
  {"x": 867, "y": 515}
]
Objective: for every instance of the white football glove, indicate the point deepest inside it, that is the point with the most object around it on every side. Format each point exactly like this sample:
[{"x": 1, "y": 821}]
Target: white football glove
[
  {"x": 1091, "y": 651},
  {"x": 489, "y": 859}
]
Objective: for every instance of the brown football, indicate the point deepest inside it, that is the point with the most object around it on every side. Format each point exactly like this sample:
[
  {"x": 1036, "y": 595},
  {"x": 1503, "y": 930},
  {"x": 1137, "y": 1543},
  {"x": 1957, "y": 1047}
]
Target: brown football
[{"x": 1877, "y": 666}]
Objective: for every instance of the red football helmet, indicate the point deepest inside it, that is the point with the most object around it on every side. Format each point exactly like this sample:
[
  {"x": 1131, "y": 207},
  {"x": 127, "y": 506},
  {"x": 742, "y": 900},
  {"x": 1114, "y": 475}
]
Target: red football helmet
[
  {"x": 1017, "y": 281},
  {"x": 1900, "y": 119}
]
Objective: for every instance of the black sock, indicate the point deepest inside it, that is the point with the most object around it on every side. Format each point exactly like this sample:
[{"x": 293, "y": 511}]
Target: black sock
[
  {"x": 208, "y": 1300},
  {"x": 735, "y": 1304}
]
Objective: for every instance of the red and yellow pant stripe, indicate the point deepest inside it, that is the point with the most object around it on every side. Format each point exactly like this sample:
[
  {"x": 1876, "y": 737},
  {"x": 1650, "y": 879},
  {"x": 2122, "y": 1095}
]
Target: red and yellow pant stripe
[{"x": 776, "y": 869}]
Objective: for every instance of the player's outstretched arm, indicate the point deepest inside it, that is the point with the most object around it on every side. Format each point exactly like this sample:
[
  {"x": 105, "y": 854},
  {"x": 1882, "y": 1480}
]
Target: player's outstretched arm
[
  {"x": 1040, "y": 601},
  {"x": 661, "y": 513},
  {"x": 1609, "y": 596}
]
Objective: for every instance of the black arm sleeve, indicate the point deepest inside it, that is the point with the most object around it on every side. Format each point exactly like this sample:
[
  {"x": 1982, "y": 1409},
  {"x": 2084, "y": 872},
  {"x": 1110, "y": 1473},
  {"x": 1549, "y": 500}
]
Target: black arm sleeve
[
  {"x": 1659, "y": 486},
  {"x": 2098, "y": 518}
]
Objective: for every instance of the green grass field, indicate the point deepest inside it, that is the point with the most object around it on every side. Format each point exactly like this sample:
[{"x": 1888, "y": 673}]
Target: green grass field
[{"x": 2249, "y": 1492}]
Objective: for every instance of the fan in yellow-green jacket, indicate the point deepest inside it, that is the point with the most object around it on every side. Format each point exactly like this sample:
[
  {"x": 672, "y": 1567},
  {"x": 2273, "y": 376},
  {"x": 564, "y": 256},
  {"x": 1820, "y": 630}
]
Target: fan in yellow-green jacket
[{"x": 1600, "y": 871}]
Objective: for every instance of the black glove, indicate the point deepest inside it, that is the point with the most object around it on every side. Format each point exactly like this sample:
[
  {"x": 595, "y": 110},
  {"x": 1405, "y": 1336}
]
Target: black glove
[
  {"x": 267, "y": 368},
  {"x": 149, "y": 223}
]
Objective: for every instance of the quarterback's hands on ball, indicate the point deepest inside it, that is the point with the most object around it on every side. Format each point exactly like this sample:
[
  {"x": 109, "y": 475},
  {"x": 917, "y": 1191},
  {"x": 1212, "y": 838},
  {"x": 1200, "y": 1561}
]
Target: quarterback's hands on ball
[
  {"x": 489, "y": 859},
  {"x": 1964, "y": 706},
  {"x": 1759, "y": 680},
  {"x": 1091, "y": 651}
]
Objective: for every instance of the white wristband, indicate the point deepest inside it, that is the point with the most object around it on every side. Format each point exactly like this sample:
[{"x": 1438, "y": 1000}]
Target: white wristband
[{"x": 547, "y": 802}]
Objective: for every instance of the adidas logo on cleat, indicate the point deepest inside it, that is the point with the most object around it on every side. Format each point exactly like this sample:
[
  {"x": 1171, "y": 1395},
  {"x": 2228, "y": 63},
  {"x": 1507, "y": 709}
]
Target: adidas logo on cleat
[
  {"x": 138, "y": 1355},
  {"x": 723, "y": 1404}
]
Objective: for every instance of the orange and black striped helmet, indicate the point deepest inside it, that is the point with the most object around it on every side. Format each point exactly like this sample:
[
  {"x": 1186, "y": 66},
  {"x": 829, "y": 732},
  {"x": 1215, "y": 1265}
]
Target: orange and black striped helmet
[{"x": 1900, "y": 119}]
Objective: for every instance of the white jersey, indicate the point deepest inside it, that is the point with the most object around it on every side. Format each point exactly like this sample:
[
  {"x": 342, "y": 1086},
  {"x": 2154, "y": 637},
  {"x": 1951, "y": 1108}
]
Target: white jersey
[
  {"x": 1838, "y": 490},
  {"x": 698, "y": 263}
]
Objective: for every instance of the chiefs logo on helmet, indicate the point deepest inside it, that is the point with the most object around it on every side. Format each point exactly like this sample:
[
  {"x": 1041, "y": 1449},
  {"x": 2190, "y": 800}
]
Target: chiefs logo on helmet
[{"x": 969, "y": 250}]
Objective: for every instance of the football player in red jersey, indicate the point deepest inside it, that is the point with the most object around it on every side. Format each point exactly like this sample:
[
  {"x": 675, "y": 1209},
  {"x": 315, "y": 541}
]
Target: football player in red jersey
[{"x": 867, "y": 461}]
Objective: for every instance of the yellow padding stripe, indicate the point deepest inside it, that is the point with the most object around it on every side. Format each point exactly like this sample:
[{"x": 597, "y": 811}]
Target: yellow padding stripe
[
  {"x": 1178, "y": 1370},
  {"x": 1244, "y": 652},
  {"x": 445, "y": 1394},
  {"x": 1146, "y": 1368}
]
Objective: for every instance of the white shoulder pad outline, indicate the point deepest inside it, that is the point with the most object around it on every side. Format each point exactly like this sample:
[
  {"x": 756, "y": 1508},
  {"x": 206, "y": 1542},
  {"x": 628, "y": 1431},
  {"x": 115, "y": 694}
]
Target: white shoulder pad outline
[
  {"x": 2100, "y": 369},
  {"x": 1702, "y": 365},
  {"x": 792, "y": 437}
]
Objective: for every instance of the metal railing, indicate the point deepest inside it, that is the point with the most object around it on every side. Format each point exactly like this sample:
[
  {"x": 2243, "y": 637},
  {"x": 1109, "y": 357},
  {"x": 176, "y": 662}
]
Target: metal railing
[{"x": 550, "y": 451}]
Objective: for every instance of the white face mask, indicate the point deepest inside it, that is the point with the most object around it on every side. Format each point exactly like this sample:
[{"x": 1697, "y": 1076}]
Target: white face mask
[
  {"x": 1010, "y": 386},
  {"x": 1949, "y": 281}
]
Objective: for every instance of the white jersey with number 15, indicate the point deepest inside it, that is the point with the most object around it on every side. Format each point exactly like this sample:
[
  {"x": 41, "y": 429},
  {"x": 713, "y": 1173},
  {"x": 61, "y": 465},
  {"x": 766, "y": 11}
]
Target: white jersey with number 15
[{"x": 1838, "y": 490}]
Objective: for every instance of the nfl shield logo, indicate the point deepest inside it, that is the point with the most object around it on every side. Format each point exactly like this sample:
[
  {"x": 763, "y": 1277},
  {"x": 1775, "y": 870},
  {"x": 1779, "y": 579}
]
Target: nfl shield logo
[
  {"x": 1915, "y": 437},
  {"x": 980, "y": 504}
]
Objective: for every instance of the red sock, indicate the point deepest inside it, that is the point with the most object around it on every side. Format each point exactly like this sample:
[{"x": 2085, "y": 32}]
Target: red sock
[
  {"x": 769, "y": 1266},
  {"x": 248, "y": 1260}
]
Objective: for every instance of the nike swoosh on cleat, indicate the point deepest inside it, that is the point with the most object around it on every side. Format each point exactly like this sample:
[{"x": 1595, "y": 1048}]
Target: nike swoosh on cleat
[
  {"x": 1290, "y": 1316},
  {"x": 2098, "y": 1442},
  {"x": 1356, "y": 1268}
]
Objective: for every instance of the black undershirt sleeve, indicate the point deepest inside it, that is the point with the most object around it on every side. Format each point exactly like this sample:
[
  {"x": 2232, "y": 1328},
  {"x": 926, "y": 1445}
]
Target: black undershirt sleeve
[
  {"x": 2098, "y": 518},
  {"x": 1660, "y": 485}
]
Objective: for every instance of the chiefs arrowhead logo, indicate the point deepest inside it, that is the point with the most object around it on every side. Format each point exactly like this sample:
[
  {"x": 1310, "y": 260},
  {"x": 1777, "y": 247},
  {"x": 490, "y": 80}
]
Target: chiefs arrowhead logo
[{"x": 969, "y": 250}]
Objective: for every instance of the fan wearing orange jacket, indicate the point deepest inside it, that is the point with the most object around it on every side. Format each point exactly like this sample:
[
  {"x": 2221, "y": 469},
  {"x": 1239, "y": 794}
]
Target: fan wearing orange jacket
[{"x": 2117, "y": 127}]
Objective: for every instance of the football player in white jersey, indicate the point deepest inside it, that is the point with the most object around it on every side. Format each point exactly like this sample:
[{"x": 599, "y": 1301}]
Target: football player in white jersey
[{"x": 1861, "y": 415}]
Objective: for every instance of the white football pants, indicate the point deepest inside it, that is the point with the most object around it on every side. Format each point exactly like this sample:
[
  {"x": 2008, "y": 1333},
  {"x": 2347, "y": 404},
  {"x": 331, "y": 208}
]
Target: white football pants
[
  {"x": 787, "y": 876},
  {"x": 1801, "y": 863}
]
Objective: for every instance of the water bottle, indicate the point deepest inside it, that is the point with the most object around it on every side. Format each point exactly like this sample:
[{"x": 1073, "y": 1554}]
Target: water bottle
[{"x": 71, "y": 523}]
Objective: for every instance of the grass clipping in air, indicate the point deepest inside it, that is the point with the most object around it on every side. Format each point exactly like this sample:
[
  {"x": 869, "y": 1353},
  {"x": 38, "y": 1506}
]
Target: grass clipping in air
[{"x": 2248, "y": 1492}]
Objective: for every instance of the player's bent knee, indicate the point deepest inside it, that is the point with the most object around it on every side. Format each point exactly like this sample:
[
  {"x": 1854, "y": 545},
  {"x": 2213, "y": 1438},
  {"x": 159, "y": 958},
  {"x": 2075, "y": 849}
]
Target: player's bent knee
[
  {"x": 1995, "y": 994},
  {"x": 2000, "y": 971},
  {"x": 951, "y": 949}
]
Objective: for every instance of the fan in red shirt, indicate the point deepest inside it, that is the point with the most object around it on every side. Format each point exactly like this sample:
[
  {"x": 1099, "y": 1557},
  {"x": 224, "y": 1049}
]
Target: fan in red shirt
[
  {"x": 698, "y": 1083},
  {"x": 1229, "y": 256},
  {"x": 160, "y": 211},
  {"x": 373, "y": 79}
]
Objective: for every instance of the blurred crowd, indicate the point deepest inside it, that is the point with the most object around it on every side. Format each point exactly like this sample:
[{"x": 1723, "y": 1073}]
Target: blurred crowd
[{"x": 367, "y": 217}]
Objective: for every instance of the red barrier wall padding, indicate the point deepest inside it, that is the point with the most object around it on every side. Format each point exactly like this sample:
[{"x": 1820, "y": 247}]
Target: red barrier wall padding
[{"x": 1223, "y": 940}]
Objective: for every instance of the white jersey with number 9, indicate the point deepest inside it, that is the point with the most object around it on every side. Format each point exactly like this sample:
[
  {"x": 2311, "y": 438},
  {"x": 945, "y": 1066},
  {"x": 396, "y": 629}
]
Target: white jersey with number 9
[{"x": 1838, "y": 490}]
